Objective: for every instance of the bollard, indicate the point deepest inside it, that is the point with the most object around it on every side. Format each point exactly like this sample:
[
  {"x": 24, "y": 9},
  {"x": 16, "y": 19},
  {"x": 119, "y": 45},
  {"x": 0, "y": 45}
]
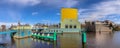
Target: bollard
[
  {"x": 48, "y": 34},
  {"x": 38, "y": 36},
  {"x": 84, "y": 40},
  {"x": 55, "y": 36},
  {"x": 35, "y": 35},
  {"x": 32, "y": 33},
  {"x": 83, "y": 37},
  {"x": 42, "y": 37},
  {"x": 43, "y": 34}
]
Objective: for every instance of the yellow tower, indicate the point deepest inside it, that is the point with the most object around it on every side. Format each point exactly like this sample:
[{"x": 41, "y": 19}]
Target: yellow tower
[
  {"x": 69, "y": 13},
  {"x": 69, "y": 20}
]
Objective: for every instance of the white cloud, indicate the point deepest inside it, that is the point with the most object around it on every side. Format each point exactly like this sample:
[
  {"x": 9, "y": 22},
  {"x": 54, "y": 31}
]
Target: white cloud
[
  {"x": 61, "y": 3},
  {"x": 24, "y": 2},
  {"x": 101, "y": 10},
  {"x": 55, "y": 3},
  {"x": 71, "y": 3},
  {"x": 34, "y": 13},
  {"x": 57, "y": 13},
  {"x": 8, "y": 23}
]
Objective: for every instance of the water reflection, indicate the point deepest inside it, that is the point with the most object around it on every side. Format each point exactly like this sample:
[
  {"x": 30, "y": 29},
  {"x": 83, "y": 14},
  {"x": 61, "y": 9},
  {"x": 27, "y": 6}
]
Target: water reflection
[
  {"x": 102, "y": 40},
  {"x": 23, "y": 43},
  {"x": 34, "y": 43},
  {"x": 94, "y": 40},
  {"x": 70, "y": 41}
]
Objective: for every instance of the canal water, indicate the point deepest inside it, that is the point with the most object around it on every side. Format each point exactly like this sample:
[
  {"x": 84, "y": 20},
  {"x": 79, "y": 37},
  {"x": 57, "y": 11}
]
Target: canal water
[{"x": 94, "y": 40}]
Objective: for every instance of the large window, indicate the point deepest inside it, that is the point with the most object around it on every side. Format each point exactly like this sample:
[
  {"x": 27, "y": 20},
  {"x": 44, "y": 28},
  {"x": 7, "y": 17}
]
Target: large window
[
  {"x": 75, "y": 26},
  {"x": 70, "y": 26},
  {"x": 66, "y": 26}
]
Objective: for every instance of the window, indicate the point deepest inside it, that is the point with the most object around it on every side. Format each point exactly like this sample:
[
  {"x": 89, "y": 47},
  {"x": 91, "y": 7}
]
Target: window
[
  {"x": 66, "y": 26},
  {"x": 56, "y": 30},
  {"x": 70, "y": 20},
  {"x": 70, "y": 26},
  {"x": 74, "y": 26},
  {"x": 93, "y": 23}
]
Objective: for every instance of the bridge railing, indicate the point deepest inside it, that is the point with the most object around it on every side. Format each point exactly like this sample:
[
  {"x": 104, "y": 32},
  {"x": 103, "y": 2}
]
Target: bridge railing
[{"x": 43, "y": 36}]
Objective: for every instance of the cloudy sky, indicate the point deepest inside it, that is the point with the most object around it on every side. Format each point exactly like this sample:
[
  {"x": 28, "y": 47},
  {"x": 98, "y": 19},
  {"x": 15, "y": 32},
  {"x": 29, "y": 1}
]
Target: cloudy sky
[{"x": 48, "y": 11}]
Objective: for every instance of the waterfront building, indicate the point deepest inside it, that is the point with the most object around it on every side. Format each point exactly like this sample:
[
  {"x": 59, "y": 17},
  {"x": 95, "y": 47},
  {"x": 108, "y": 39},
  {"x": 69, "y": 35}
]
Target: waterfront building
[
  {"x": 98, "y": 26},
  {"x": 54, "y": 28},
  {"x": 0, "y": 28},
  {"x": 69, "y": 20},
  {"x": 22, "y": 30},
  {"x": 20, "y": 27},
  {"x": 13, "y": 27},
  {"x": 46, "y": 28},
  {"x": 3, "y": 27},
  {"x": 39, "y": 27}
]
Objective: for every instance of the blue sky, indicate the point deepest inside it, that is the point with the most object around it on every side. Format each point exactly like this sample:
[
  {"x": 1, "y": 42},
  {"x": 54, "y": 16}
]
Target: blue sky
[{"x": 48, "y": 11}]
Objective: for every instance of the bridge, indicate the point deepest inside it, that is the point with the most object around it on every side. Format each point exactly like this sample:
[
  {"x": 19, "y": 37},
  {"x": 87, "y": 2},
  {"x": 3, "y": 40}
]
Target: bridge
[
  {"x": 17, "y": 33},
  {"x": 21, "y": 33},
  {"x": 11, "y": 32}
]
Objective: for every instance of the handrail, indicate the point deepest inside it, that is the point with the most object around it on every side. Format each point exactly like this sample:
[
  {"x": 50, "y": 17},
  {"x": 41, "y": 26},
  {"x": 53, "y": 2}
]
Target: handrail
[{"x": 42, "y": 36}]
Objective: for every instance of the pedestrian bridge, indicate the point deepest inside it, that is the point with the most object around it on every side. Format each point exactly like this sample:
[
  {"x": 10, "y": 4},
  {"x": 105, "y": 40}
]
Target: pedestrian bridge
[
  {"x": 11, "y": 32},
  {"x": 7, "y": 32},
  {"x": 17, "y": 33}
]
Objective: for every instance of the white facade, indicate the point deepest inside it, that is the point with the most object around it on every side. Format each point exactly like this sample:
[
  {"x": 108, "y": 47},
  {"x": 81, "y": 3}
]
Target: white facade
[{"x": 69, "y": 25}]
